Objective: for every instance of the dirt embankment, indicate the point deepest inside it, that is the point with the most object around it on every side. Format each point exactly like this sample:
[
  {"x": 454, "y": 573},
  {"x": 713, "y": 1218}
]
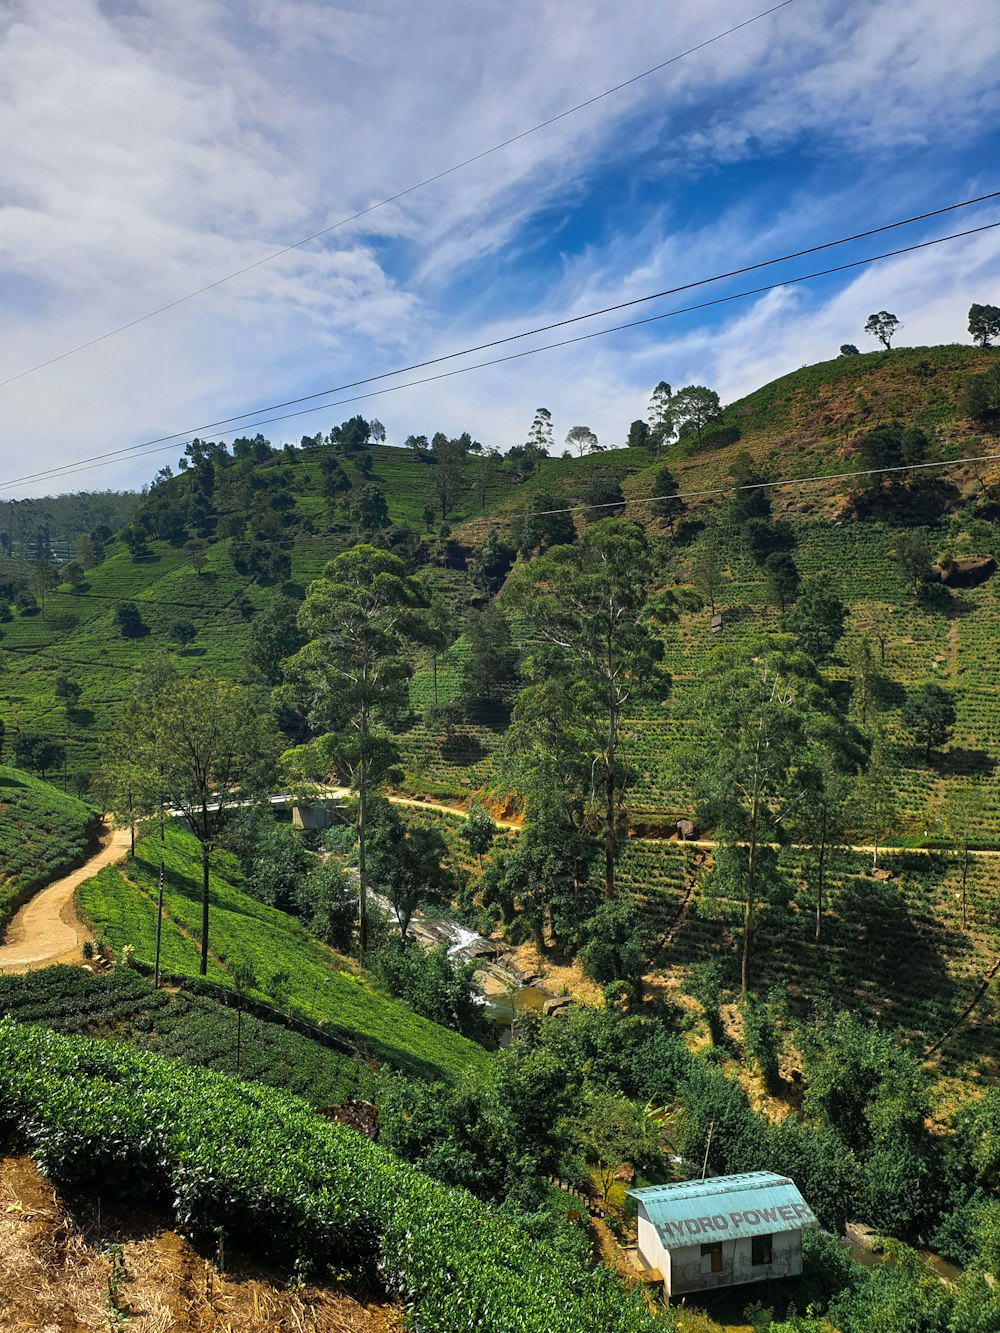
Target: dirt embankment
[{"x": 130, "y": 1273}]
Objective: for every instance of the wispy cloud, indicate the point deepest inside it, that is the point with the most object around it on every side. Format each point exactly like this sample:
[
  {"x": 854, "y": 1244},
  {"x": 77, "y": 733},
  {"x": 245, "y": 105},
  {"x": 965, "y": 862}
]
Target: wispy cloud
[{"x": 150, "y": 149}]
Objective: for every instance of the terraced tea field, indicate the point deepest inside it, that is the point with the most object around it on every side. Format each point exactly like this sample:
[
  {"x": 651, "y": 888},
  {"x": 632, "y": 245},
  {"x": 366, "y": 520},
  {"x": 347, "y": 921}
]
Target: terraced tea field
[
  {"x": 892, "y": 944},
  {"x": 291, "y": 968}
]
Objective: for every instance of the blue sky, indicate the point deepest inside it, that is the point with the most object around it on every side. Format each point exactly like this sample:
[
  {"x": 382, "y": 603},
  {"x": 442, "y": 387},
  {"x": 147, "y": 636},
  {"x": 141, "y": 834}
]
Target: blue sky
[{"x": 150, "y": 149}]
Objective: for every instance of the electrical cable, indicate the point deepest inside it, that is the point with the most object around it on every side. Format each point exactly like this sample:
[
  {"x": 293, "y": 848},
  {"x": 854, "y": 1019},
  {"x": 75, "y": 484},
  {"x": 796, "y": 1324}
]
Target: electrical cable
[
  {"x": 401, "y": 194},
  {"x": 142, "y": 451},
  {"x": 541, "y": 328}
]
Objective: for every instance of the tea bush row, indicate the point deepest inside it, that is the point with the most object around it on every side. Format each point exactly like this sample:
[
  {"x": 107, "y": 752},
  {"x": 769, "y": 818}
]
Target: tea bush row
[{"x": 256, "y": 1167}]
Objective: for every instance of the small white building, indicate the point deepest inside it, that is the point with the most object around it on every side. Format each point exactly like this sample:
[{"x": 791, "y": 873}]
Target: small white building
[{"x": 719, "y": 1232}]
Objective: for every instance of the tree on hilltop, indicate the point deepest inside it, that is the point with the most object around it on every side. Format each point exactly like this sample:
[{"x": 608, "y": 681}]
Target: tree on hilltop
[
  {"x": 582, "y": 439},
  {"x": 660, "y": 413},
  {"x": 984, "y": 323},
  {"x": 693, "y": 407},
  {"x": 882, "y": 326}
]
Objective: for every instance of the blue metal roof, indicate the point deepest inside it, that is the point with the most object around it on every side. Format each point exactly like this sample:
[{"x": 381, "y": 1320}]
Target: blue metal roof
[{"x": 758, "y": 1203}]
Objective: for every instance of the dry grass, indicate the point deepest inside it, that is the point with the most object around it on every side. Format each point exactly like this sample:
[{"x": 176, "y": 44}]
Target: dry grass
[{"x": 54, "y": 1278}]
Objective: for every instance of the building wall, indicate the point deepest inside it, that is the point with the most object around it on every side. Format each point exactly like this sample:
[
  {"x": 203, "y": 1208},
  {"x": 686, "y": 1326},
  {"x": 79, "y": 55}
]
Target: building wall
[{"x": 689, "y": 1270}]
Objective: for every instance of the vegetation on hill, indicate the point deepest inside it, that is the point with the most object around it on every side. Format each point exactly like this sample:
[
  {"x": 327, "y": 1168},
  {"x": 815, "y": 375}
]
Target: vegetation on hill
[
  {"x": 188, "y": 1025},
  {"x": 247, "y": 1164},
  {"x": 263, "y": 950},
  {"x": 611, "y": 649},
  {"x": 44, "y": 833}
]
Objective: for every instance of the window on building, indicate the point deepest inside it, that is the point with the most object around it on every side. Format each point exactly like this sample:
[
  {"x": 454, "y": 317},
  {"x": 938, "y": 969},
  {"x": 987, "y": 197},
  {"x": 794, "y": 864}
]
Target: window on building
[
  {"x": 760, "y": 1250},
  {"x": 712, "y": 1253}
]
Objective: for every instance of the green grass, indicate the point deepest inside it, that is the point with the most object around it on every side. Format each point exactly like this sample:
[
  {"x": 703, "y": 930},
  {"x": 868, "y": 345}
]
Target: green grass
[
  {"x": 44, "y": 833},
  {"x": 312, "y": 979}
]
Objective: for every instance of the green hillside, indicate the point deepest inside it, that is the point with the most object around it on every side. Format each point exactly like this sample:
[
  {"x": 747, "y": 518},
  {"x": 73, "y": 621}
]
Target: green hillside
[
  {"x": 44, "y": 833},
  {"x": 806, "y": 423},
  {"x": 291, "y": 969}
]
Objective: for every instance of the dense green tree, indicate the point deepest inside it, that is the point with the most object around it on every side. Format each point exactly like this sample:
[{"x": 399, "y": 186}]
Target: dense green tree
[
  {"x": 817, "y": 619},
  {"x": 448, "y": 478},
  {"x": 708, "y": 572},
  {"x": 750, "y": 491},
  {"x": 662, "y": 426},
  {"x": 887, "y": 447},
  {"x": 586, "y": 606},
  {"x": 693, "y": 407},
  {"x": 848, "y": 349},
  {"x": 490, "y": 666},
  {"x": 781, "y": 579},
  {"x": 196, "y": 551},
  {"x": 882, "y": 326},
  {"x": 369, "y": 509},
  {"x": 182, "y": 632},
  {"x": 128, "y": 621},
  {"x": 274, "y": 635},
  {"x": 611, "y": 1131},
  {"x": 981, "y": 399},
  {"x": 478, "y": 832},
  {"x": 757, "y": 715},
  {"x": 617, "y": 947},
  {"x": 666, "y": 503},
  {"x": 73, "y": 574},
  {"x": 201, "y": 744},
  {"x": 929, "y": 713},
  {"x": 545, "y": 523},
  {"x": 43, "y": 579},
  {"x": 984, "y": 323},
  {"x": 67, "y": 691},
  {"x": 603, "y": 498},
  {"x": 350, "y": 679},
  {"x": 39, "y": 753},
  {"x": 913, "y": 553},
  {"x": 407, "y": 864},
  {"x": 638, "y": 436},
  {"x": 491, "y": 563}
]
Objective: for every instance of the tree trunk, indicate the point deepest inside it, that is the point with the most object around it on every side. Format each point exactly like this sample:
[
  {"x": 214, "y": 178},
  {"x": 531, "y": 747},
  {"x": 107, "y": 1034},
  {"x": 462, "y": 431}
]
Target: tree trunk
[
  {"x": 362, "y": 869},
  {"x": 159, "y": 927},
  {"x": 822, "y": 867},
  {"x": 203, "y": 967},
  {"x": 610, "y": 836}
]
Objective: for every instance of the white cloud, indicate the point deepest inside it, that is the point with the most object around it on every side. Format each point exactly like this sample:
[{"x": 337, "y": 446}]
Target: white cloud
[{"x": 150, "y": 149}]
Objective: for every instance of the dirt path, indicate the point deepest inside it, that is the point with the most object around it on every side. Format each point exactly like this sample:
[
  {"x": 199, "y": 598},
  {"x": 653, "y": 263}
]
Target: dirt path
[{"x": 46, "y": 929}]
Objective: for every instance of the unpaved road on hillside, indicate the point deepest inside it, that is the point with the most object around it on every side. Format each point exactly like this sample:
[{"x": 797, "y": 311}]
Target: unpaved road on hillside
[{"x": 47, "y": 929}]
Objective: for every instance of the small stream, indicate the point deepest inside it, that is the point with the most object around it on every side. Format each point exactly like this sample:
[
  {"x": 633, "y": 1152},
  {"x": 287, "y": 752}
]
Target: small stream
[{"x": 502, "y": 989}]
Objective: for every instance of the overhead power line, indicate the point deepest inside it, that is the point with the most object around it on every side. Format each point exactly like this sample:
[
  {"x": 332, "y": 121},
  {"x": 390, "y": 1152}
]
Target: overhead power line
[
  {"x": 143, "y": 451},
  {"x": 401, "y": 194},
  {"x": 771, "y": 485}
]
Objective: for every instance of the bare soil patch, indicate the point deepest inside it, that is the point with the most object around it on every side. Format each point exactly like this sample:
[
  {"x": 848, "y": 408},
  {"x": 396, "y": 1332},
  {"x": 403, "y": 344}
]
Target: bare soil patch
[{"x": 134, "y": 1274}]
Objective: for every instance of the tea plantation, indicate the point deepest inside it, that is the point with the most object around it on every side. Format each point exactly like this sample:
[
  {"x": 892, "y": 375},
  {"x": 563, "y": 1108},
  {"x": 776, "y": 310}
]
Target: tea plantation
[
  {"x": 249, "y": 1165},
  {"x": 291, "y": 968},
  {"x": 44, "y": 833}
]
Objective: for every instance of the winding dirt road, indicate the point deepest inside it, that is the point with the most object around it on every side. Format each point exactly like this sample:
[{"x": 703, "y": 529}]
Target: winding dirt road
[{"x": 47, "y": 929}]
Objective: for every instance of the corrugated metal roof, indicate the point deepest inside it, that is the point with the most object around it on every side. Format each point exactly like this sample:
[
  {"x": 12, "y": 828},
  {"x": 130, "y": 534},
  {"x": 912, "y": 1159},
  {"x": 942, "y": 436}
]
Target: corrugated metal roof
[{"x": 724, "y": 1207}]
